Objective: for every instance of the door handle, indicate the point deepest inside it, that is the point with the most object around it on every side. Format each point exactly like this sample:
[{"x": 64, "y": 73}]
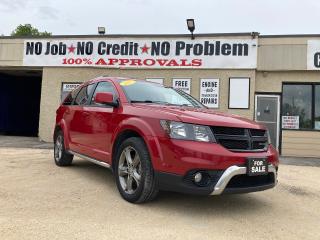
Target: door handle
[{"x": 267, "y": 109}]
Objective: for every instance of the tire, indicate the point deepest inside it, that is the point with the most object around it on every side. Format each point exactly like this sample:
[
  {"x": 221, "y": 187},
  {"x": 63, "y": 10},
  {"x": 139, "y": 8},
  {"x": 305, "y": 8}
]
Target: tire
[
  {"x": 60, "y": 155},
  {"x": 134, "y": 172}
]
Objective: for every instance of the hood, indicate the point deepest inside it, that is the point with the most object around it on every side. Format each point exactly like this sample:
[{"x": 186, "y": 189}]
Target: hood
[{"x": 201, "y": 116}]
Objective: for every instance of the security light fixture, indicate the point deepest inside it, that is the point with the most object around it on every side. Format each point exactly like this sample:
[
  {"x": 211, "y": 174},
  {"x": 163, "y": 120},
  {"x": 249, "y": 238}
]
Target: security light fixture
[
  {"x": 101, "y": 30},
  {"x": 255, "y": 34},
  {"x": 191, "y": 26}
]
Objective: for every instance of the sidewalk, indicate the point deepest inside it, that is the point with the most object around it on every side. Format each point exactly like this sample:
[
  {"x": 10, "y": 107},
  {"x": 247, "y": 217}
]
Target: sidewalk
[
  {"x": 311, "y": 162},
  {"x": 23, "y": 142}
]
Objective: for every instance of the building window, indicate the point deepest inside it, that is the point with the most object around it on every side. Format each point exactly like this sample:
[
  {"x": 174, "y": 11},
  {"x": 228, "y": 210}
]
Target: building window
[
  {"x": 301, "y": 106},
  {"x": 317, "y": 108}
]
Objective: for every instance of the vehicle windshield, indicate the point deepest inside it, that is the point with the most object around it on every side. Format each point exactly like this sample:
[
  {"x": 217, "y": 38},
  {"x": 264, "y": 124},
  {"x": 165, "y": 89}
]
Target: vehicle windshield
[{"x": 148, "y": 92}]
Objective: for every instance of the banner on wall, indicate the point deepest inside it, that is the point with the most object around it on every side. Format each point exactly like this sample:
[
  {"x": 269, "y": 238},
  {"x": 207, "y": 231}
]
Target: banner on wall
[
  {"x": 142, "y": 53},
  {"x": 183, "y": 84},
  {"x": 313, "y": 55},
  {"x": 209, "y": 92}
]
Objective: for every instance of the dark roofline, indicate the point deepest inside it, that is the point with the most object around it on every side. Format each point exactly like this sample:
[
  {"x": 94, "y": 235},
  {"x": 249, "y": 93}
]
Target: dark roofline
[
  {"x": 289, "y": 36},
  {"x": 131, "y": 35}
]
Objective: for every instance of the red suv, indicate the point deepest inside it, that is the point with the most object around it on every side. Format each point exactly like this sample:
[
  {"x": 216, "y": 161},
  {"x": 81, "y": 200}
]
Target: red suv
[{"x": 158, "y": 138}]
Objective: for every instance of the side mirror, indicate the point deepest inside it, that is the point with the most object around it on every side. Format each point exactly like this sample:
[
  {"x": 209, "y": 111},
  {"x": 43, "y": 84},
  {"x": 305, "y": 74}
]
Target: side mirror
[{"x": 106, "y": 98}]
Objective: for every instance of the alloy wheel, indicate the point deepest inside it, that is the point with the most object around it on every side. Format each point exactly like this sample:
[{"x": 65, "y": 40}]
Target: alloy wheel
[
  {"x": 129, "y": 170},
  {"x": 58, "y": 148}
]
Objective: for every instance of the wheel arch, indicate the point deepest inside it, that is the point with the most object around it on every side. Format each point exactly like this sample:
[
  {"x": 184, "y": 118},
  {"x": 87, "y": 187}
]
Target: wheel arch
[
  {"x": 128, "y": 133},
  {"x": 61, "y": 127},
  {"x": 122, "y": 136}
]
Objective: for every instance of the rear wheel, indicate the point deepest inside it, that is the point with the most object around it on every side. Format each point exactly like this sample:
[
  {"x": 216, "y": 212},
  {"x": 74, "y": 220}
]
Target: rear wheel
[
  {"x": 61, "y": 156},
  {"x": 134, "y": 172}
]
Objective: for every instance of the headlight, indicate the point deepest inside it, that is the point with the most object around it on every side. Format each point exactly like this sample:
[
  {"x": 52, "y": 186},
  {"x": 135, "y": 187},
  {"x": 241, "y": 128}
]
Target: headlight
[{"x": 186, "y": 131}]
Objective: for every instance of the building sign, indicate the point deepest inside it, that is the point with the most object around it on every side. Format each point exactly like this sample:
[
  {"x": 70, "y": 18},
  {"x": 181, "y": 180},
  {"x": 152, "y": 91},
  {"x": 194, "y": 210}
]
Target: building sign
[
  {"x": 183, "y": 84},
  {"x": 67, "y": 88},
  {"x": 313, "y": 55},
  {"x": 142, "y": 53},
  {"x": 290, "y": 122},
  {"x": 209, "y": 92}
]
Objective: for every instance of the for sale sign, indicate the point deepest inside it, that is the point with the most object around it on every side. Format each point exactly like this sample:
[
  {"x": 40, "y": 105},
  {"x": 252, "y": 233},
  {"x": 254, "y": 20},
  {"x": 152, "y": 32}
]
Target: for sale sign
[
  {"x": 142, "y": 53},
  {"x": 290, "y": 122},
  {"x": 183, "y": 84},
  {"x": 209, "y": 92}
]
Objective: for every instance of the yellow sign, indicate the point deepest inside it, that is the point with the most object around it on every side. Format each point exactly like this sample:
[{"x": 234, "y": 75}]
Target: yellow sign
[{"x": 127, "y": 82}]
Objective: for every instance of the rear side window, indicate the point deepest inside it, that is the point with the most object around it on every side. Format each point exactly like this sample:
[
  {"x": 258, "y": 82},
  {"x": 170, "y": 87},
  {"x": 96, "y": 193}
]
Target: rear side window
[
  {"x": 103, "y": 87},
  {"x": 71, "y": 96},
  {"x": 83, "y": 95}
]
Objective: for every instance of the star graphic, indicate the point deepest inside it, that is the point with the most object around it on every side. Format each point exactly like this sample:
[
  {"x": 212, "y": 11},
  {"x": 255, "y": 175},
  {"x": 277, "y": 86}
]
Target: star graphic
[
  {"x": 71, "y": 49},
  {"x": 145, "y": 49}
]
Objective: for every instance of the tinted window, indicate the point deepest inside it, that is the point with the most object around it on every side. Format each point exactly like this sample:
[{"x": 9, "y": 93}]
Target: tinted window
[
  {"x": 70, "y": 97},
  {"x": 297, "y": 101},
  {"x": 103, "y": 87},
  {"x": 83, "y": 96}
]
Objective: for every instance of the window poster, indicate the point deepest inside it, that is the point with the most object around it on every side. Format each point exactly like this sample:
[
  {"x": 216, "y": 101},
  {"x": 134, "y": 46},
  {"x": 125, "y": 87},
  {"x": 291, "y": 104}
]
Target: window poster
[{"x": 209, "y": 92}]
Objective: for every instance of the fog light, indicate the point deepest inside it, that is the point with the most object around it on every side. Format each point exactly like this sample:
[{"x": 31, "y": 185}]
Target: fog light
[{"x": 198, "y": 177}]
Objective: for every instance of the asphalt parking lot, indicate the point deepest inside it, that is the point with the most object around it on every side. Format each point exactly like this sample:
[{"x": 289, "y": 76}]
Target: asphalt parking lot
[{"x": 41, "y": 201}]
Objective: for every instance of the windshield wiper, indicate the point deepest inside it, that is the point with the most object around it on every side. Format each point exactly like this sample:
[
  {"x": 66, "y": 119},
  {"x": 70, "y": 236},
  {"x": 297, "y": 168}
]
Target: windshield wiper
[
  {"x": 186, "y": 105},
  {"x": 148, "y": 101},
  {"x": 161, "y": 102}
]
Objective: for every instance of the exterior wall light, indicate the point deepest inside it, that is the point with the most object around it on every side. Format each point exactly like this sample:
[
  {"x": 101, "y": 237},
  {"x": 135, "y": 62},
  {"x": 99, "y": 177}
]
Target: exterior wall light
[
  {"x": 101, "y": 30},
  {"x": 191, "y": 26},
  {"x": 255, "y": 34}
]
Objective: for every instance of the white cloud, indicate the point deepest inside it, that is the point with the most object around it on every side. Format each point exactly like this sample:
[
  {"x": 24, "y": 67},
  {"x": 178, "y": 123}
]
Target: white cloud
[
  {"x": 9, "y": 5},
  {"x": 47, "y": 12},
  {"x": 165, "y": 16}
]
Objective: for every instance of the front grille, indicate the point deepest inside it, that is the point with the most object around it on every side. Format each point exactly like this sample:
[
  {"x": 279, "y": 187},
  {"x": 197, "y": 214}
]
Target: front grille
[
  {"x": 229, "y": 131},
  {"x": 259, "y": 145},
  {"x": 234, "y": 144},
  {"x": 257, "y": 132},
  {"x": 241, "y": 139}
]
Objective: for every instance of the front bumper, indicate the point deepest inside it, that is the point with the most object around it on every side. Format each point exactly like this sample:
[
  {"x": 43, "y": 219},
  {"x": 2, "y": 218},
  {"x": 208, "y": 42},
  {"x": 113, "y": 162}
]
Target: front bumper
[
  {"x": 232, "y": 171},
  {"x": 179, "y": 156},
  {"x": 232, "y": 180}
]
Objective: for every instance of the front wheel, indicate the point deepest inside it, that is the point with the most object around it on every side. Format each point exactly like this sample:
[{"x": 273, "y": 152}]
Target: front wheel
[
  {"x": 61, "y": 156},
  {"x": 134, "y": 172}
]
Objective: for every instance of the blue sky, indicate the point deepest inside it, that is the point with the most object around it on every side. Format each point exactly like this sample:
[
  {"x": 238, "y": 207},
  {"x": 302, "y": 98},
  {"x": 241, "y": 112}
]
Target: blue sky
[{"x": 162, "y": 16}]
